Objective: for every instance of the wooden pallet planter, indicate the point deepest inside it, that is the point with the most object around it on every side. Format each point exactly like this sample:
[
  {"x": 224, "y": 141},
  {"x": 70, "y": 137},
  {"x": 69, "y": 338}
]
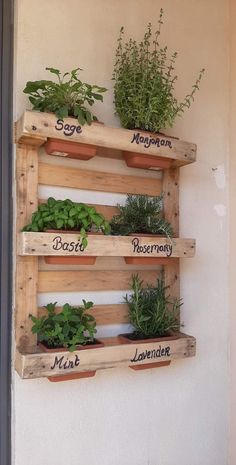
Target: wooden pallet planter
[
  {"x": 31, "y": 243},
  {"x": 32, "y": 131},
  {"x": 35, "y": 128},
  {"x": 113, "y": 355}
]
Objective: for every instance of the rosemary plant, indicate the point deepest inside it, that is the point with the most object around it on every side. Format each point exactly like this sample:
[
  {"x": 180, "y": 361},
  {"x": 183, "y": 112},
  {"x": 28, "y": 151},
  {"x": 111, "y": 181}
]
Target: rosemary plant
[
  {"x": 144, "y": 83},
  {"x": 141, "y": 214}
]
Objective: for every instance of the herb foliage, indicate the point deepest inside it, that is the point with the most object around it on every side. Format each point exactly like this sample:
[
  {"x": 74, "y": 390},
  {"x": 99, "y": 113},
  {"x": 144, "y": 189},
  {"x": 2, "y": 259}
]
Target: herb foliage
[
  {"x": 151, "y": 312},
  {"x": 67, "y": 215},
  {"x": 67, "y": 97},
  {"x": 69, "y": 328},
  {"x": 144, "y": 83},
  {"x": 141, "y": 214}
]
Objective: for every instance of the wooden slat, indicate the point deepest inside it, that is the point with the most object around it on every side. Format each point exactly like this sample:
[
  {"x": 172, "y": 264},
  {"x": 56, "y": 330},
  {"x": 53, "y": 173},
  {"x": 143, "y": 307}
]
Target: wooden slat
[
  {"x": 171, "y": 213},
  {"x": 83, "y": 281},
  {"x": 113, "y": 355},
  {"x": 34, "y": 124},
  {"x": 104, "y": 314},
  {"x": 26, "y": 267},
  {"x": 76, "y": 178},
  {"x": 111, "y": 246}
]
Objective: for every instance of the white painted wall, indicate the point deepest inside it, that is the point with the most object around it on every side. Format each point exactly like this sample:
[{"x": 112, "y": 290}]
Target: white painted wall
[{"x": 169, "y": 416}]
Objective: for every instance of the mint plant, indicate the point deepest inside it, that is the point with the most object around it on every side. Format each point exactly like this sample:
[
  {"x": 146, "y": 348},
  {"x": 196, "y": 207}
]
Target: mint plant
[
  {"x": 141, "y": 214},
  {"x": 144, "y": 83},
  {"x": 68, "y": 328},
  {"x": 67, "y": 97},
  {"x": 67, "y": 215},
  {"x": 151, "y": 312}
]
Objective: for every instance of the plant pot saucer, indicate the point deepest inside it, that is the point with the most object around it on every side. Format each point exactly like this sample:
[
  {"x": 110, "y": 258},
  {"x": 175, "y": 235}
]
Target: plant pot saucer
[
  {"x": 146, "y": 162},
  {"x": 72, "y": 376},
  {"x": 70, "y": 149},
  {"x": 69, "y": 259}
]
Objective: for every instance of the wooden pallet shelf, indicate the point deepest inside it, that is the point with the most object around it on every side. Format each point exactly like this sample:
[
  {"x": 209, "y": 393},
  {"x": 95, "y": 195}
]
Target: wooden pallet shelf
[
  {"x": 30, "y": 243},
  {"x": 32, "y": 131},
  {"x": 34, "y": 128},
  {"x": 113, "y": 355}
]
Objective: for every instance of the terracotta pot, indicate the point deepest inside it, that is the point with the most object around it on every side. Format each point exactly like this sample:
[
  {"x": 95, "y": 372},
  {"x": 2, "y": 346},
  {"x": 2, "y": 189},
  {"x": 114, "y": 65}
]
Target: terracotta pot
[
  {"x": 147, "y": 260},
  {"x": 67, "y": 259},
  {"x": 146, "y": 162},
  {"x": 147, "y": 366},
  {"x": 70, "y": 149},
  {"x": 126, "y": 340},
  {"x": 71, "y": 376}
]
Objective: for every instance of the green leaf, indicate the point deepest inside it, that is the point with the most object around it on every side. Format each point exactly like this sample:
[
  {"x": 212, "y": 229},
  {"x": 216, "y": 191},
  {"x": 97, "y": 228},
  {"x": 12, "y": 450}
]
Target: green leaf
[
  {"x": 59, "y": 224},
  {"x": 98, "y": 97},
  {"x": 54, "y": 71},
  {"x": 62, "y": 112}
]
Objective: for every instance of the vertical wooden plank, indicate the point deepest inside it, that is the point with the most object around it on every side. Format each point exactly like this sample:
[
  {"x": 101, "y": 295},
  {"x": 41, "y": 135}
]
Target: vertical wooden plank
[
  {"x": 171, "y": 212},
  {"x": 26, "y": 267}
]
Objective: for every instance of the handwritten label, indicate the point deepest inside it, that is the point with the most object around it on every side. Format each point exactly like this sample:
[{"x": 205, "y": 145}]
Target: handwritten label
[
  {"x": 150, "y": 354},
  {"x": 64, "y": 363},
  {"x": 68, "y": 129},
  {"x": 147, "y": 141},
  {"x": 59, "y": 244},
  {"x": 149, "y": 249}
]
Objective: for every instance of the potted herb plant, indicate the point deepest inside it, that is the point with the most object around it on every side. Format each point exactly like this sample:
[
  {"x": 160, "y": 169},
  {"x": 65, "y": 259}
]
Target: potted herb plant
[
  {"x": 152, "y": 313},
  {"x": 141, "y": 216},
  {"x": 68, "y": 216},
  {"x": 144, "y": 81},
  {"x": 67, "y": 97},
  {"x": 70, "y": 329}
]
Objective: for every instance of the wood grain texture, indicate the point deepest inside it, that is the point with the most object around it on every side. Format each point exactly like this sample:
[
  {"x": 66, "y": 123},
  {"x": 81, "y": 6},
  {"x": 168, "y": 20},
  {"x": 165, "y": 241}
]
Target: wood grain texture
[
  {"x": 171, "y": 213},
  {"x": 26, "y": 267},
  {"x": 30, "y": 243},
  {"x": 113, "y": 355},
  {"x": 76, "y": 178},
  {"x": 41, "y": 125},
  {"x": 83, "y": 281},
  {"x": 104, "y": 314}
]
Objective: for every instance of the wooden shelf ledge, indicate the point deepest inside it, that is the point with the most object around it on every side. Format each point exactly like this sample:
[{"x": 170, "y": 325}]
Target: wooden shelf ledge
[
  {"x": 31, "y": 243},
  {"x": 34, "y": 128},
  {"x": 113, "y": 355}
]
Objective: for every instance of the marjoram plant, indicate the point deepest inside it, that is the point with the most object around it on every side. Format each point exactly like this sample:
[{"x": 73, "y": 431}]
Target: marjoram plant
[
  {"x": 144, "y": 83},
  {"x": 67, "y": 97}
]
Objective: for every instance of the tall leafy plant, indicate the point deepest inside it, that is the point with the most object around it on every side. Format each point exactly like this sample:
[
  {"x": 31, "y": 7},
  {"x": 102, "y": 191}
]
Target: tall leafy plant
[
  {"x": 151, "y": 312},
  {"x": 144, "y": 83},
  {"x": 67, "y": 97},
  {"x": 68, "y": 328},
  {"x": 67, "y": 215}
]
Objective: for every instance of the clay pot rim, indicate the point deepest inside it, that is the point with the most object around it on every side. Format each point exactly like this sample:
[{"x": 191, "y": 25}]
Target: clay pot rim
[
  {"x": 98, "y": 344},
  {"x": 170, "y": 337}
]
